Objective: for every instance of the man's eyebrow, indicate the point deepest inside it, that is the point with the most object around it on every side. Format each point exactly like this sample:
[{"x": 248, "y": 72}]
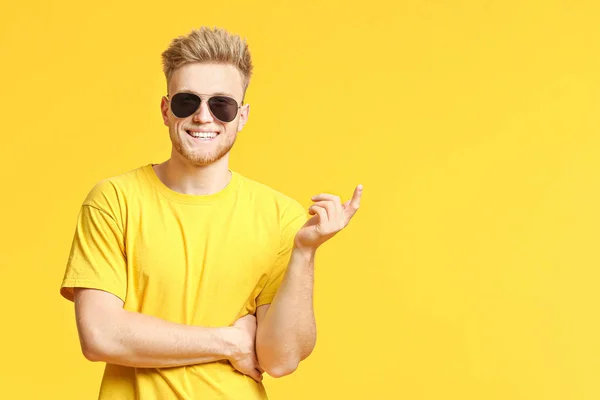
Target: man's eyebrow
[
  {"x": 223, "y": 94},
  {"x": 207, "y": 94}
]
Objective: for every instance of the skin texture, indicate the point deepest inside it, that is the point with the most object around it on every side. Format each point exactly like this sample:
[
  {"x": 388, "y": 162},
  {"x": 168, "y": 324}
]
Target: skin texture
[
  {"x": 286, "y": 338},
  {"x": 108, "y": 333},
  {"x": 204, "y": 80},
  {"x": 276, "y": 339}
]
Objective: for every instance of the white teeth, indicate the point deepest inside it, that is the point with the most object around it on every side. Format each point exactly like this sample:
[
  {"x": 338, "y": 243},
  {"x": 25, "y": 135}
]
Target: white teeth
[{"x": 203, "y": 135}]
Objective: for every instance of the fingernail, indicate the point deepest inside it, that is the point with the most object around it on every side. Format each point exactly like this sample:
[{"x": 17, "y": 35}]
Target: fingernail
[{"x": 360, "y": 187}]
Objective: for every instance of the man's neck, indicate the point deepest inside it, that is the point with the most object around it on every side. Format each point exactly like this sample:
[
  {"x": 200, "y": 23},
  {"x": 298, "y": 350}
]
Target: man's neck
[{"x": 184, "y": 177}]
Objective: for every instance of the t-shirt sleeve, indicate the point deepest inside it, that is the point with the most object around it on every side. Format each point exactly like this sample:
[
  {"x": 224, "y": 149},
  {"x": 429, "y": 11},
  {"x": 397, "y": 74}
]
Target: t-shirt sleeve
[
  {"x": 97, "y": 259},
  {"x": 292, "y": 219}
]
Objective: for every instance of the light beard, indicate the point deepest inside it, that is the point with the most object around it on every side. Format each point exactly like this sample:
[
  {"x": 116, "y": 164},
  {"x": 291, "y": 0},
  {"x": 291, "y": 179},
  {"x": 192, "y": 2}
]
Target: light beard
[{"x": 199, "y": 157}]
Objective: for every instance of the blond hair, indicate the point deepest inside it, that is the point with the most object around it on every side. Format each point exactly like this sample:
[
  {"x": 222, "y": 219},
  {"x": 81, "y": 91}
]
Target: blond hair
[{"x": 208, "y": 45}]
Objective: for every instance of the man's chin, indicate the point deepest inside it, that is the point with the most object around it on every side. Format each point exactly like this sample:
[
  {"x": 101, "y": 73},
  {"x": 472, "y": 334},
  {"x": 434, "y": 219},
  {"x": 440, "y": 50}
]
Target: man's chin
[{"x": 202, "y": 160}]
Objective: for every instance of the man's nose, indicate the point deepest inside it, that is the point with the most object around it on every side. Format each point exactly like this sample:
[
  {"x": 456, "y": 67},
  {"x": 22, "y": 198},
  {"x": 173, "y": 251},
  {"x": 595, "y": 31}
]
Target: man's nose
[{"x": 203, "y": 114}]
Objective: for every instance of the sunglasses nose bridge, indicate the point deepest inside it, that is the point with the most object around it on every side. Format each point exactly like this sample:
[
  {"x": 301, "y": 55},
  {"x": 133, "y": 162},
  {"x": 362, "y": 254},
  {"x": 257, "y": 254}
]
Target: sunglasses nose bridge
[{"x": 203, "y": 113}]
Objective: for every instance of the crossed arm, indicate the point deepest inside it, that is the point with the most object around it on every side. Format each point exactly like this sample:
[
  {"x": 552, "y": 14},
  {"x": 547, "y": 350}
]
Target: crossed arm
[
  {"x": 111, "y": 334},
  {"x": 275, "y": 341}
]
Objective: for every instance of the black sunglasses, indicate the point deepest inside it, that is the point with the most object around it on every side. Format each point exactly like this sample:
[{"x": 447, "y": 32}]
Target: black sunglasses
[{"x": 223, "y": 108}]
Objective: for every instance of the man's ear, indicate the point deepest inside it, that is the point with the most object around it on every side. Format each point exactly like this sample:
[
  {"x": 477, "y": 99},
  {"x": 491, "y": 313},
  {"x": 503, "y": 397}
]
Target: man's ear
[
  {"x": 164, "y": 110},
  {"x": 244, "y": 114}
]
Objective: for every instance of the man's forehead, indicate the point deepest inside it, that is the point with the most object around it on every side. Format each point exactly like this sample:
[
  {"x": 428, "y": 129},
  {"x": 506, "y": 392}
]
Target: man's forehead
[{"x": 213, "y": 79}]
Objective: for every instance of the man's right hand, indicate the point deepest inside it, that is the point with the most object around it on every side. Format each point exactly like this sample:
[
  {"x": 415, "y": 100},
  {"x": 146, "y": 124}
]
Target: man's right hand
[{"x": 244, "y": 357}]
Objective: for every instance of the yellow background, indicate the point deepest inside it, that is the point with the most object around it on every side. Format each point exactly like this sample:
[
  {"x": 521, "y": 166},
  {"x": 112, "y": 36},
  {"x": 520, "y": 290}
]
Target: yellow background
[{"x": 471, "y": 271}]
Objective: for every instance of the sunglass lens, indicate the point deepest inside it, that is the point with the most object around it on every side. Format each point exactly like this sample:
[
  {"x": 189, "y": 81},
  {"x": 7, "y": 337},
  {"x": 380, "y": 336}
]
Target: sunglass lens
[
  {"x": 223, "y": 108},
  {"x": 184, "y": 104}
]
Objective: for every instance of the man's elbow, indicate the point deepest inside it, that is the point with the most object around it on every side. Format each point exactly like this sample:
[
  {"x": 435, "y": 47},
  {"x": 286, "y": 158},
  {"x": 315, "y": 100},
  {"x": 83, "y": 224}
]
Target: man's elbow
[
  {"x": 94, "y": 345},
  {"x": 278, "y": 364},
  {"x": 275, "y": 360},
  {"x": 91, "y": 354},
  {"x": 97, "y": 314},
  {"x": 282, "y": 369}
]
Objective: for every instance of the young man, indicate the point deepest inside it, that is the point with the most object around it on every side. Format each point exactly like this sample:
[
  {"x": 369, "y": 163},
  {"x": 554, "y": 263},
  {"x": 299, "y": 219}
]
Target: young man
[{"x": 190, "y": 280}]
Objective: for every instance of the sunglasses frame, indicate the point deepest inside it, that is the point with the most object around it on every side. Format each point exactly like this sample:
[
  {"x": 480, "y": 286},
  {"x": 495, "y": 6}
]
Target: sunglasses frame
[{"x": 205, "y": 98}]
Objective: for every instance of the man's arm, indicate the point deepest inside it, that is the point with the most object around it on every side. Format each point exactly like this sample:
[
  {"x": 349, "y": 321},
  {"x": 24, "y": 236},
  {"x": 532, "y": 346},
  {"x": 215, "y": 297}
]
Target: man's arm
[
  {"x": 286, "y": 331},
  {"x": 111, "y": 334}
]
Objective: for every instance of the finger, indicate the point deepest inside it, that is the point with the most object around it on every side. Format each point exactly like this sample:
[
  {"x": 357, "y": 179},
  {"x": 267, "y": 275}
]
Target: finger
[
  {"x": 326, "y": 196},
  {"x": 246, "y": 319},
  {"x": 332, "y": 211},
  {"x": 339, "y": 209},
  {"x": 352, "y": 205},
  {"x": 257, "y": 364},
  {"x": 256, "y": 376},
  {"x": 320, "y": 211},
  {"x": 257, "y": 371},
  {"x": 355, "y": 202}
]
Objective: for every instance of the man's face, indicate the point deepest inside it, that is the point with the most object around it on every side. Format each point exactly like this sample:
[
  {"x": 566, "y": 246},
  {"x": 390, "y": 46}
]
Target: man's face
[{"x": 205, "y": 80}]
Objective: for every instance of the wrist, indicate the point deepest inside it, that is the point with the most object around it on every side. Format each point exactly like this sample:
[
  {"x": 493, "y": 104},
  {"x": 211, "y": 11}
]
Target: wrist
[
  {"x": 231, "y": 343},
  {"x": 306, "y": 254}
]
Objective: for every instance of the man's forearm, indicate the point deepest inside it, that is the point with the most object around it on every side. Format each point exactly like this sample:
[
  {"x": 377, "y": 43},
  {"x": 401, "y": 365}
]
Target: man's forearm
[
  {"x": 143, "y": 341},
  {"x": 287, "y": 335},
  {"x": 111, "y": 334}
]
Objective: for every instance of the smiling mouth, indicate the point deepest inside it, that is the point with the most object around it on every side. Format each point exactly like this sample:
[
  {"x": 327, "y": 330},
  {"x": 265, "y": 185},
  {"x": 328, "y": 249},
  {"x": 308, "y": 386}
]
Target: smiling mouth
[{"x": 203, "y": 136}]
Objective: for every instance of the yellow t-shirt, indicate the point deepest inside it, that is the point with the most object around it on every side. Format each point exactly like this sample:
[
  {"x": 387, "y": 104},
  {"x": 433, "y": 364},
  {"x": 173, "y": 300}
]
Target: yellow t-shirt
[{"x": 197, "y": 260}]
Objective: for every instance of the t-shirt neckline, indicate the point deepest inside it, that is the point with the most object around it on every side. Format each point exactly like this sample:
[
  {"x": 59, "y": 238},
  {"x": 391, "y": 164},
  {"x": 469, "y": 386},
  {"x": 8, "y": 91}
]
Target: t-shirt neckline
[{"x": 191, "y": 198}]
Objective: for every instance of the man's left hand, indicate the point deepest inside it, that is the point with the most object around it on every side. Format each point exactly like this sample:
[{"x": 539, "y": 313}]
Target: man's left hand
[{"x": 329, "y": 217}]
